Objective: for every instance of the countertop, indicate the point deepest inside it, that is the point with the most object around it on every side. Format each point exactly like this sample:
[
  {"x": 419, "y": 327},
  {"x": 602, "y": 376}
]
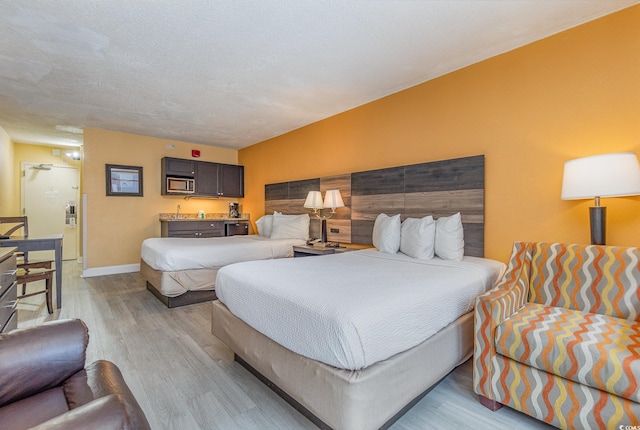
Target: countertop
[{"x": 207, "y": 217}]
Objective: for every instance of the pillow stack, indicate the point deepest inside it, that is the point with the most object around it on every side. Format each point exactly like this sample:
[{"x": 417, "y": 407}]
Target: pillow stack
[
  {"x": 279, "y": 226},
  {"x": 421, "y": 238}
]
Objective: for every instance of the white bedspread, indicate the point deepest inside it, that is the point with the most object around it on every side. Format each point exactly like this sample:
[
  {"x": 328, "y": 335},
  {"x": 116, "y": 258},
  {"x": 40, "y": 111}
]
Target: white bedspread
[
  {"x": 172, "y": 254},
  {"x": 354, "y": 309}
]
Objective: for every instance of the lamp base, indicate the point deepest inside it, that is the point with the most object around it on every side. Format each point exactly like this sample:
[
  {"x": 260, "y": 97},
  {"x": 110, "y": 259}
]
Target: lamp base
[
  {"x": 324, "y": 230},
  {"x": 598, "y": 219}
]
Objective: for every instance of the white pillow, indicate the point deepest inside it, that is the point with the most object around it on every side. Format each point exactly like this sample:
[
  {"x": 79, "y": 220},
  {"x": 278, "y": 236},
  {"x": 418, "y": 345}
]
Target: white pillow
[
  {"x": 386, "y": 233},
  {"x": 417, "y": 237},
  {"x": 264, "y": 224},
  {"x": 450, "y": 237},
  {"x": 290, "y": 226}
]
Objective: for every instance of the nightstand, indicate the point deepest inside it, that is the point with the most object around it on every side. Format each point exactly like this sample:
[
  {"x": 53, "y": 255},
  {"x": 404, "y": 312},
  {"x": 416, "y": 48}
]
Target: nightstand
[{"x": 308, "y": 250}]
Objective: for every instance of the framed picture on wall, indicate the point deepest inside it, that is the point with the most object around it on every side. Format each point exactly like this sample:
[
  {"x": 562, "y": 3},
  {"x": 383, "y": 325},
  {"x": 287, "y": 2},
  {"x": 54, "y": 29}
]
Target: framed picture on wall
[{"x": 123, "y": 180}]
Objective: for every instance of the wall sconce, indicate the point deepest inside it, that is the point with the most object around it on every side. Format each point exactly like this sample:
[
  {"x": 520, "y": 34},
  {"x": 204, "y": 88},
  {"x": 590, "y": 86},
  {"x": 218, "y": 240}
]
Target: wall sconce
[
  {"x": 332, "y": 200},
  {"x": 607, "y": 175}
]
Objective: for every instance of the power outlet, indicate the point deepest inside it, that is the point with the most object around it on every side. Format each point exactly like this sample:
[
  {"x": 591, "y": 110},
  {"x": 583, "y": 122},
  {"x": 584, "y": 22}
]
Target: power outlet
[{"x": 335, "y": 230}]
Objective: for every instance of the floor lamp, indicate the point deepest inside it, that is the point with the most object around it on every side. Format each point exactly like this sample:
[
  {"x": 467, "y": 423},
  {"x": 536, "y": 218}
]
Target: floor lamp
[{"x": 607, "y": 175}]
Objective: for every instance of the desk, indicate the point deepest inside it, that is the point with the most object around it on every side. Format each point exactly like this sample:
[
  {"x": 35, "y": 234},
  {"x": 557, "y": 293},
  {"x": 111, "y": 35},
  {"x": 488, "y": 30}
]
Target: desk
[{"x": 41, "y": 243}]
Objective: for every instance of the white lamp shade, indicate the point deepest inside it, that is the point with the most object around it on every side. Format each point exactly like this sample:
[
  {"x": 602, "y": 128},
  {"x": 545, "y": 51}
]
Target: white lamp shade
[
  {"x": 333, "y": 199},
  {"x": 314, "y": 200},
  {"x": 607, "y": 175}
]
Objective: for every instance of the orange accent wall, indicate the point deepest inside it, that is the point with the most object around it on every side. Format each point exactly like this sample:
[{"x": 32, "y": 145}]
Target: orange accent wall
[{"x": 574, "y": 94}]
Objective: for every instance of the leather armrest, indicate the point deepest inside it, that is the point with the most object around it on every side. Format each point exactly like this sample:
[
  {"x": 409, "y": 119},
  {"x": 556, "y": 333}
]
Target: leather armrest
[
  {"x": 104, "y": 413},
  {"x": 42, "y": 357},
  {"x": 101, "y": 379}
]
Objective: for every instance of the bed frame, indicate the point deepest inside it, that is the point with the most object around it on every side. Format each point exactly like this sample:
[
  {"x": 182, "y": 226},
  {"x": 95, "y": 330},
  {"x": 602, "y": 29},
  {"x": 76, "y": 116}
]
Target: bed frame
[
  {"x": 332, "y": 398},
  {"x": 378, "y": 395}
]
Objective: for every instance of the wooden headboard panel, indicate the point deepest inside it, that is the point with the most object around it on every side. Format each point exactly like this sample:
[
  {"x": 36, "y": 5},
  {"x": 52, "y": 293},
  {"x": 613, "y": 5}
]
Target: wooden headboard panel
[{"x": 438, "y": 188}]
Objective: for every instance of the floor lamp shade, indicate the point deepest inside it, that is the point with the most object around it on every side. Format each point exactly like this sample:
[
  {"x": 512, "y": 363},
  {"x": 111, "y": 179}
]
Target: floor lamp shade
[{"x": 607, "y": 175}]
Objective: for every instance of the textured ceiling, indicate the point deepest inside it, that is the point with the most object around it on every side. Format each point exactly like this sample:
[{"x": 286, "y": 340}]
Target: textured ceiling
[{"x": 236, "y": 72}]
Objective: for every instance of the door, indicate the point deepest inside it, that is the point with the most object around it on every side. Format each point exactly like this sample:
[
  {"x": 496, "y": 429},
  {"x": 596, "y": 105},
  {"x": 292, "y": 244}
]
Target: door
[{"x": 50, "y": 201}]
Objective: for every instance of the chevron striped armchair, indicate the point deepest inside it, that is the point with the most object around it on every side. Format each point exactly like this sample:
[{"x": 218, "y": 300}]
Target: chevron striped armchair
[{"x": 558, "y": 338}]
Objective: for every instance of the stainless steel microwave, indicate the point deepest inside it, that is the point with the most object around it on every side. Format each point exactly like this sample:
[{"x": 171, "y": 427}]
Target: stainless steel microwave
[{"x": 181, "y": 185}]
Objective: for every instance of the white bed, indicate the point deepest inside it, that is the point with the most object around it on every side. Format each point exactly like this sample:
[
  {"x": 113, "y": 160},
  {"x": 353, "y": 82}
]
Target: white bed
[
  {"x": 342, "y": 336},
  {"x": 354, "y": 305},
  {"x": 174, "y": 267}
]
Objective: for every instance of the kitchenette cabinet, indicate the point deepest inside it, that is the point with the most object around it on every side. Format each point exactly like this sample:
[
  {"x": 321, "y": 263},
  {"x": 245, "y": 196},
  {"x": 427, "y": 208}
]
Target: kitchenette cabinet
[
  {"x": 211, "y": 179},
  {"x": 230, "y": 180},
  {"x": 207, "y": 179},
  {"x": 195, "y": 229},
  {"x": 178, "y": 167}
]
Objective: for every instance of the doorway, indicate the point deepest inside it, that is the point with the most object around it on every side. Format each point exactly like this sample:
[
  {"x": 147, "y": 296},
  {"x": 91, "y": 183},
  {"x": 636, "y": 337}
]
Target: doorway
[{"x": 50, "y": 200}]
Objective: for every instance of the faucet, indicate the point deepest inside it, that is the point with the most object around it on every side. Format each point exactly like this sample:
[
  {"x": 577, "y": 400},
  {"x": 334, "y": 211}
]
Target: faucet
[{"x": 178, "y": 212}]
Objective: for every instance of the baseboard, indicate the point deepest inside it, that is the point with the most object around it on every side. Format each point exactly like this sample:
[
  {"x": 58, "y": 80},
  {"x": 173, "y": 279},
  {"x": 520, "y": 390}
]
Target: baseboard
[{"x": 110, "y": 270}]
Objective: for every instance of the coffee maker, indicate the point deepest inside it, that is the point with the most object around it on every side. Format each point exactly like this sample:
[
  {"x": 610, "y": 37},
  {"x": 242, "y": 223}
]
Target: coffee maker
[{"x": 234, "y": 210}]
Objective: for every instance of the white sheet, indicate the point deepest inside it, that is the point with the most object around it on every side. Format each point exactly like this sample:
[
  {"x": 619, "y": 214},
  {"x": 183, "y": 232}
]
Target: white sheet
[
  {"x": 354, "y": 309},
  {"x": 171, "y": 254}
]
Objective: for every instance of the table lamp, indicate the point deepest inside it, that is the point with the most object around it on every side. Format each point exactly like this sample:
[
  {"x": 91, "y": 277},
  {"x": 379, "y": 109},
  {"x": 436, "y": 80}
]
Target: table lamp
[
  {"x": 332, "y": 200},
  {"x": 606, "y": 175}
]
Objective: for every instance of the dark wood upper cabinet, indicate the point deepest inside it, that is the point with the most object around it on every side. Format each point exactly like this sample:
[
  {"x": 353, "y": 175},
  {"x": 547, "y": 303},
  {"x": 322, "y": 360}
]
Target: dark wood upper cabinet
[
  {"x": 206, "y": 179},
  {"x": 178, "y": 167},
  {"x": 211, "y": 179},
  {"x": 231, "y": 180}
]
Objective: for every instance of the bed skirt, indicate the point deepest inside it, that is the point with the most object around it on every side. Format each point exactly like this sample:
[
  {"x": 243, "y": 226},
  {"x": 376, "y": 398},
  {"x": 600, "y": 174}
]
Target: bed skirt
[
  {"x": 367, "y": 399},
  {"x": 180, "y": 288}
]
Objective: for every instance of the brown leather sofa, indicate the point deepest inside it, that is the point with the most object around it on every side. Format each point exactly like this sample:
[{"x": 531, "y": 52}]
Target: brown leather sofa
[{"x": 44, "y": 383}]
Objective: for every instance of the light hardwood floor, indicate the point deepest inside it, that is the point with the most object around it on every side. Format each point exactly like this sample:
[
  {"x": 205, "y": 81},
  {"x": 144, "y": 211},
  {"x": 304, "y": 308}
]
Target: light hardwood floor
[{"x": 185, "y": 378}]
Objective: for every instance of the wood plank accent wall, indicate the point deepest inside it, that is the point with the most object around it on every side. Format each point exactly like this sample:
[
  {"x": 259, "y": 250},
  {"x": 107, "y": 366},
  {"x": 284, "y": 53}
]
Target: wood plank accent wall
[{"x": 439, "y": 188}]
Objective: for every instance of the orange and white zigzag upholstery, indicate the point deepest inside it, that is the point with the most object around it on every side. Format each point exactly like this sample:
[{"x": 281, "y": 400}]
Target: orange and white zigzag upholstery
[
  {"x": 556, "y": 359},
  {"x": 558, "y": 401},
  {"x": 590, "y": 278},
  {"x": 495, "y": 306}
]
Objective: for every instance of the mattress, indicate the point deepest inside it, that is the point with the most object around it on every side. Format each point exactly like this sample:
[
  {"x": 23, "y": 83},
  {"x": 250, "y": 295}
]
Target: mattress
[
  {"x": 175, "y": 254},
  {"x": 358, "y": 308}
]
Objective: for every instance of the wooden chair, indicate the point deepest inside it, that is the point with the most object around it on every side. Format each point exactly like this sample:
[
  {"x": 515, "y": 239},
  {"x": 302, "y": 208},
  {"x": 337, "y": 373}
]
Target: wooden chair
[
  {"x": 38, "y": 271},
  {"x": 30, "y": 271},
  {"x": 15, "y": 223}
]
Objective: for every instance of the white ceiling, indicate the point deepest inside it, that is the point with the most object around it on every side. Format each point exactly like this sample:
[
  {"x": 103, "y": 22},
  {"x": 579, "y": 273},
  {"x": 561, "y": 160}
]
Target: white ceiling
[{"x": 232, "y": 73}]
